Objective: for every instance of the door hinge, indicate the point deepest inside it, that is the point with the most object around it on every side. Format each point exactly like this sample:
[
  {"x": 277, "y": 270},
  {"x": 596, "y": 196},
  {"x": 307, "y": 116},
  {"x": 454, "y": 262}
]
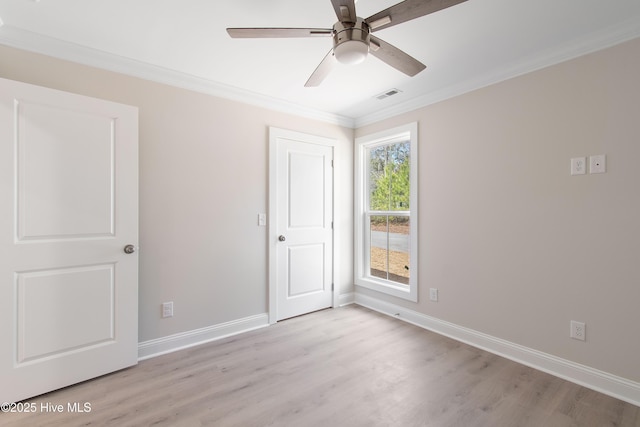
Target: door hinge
[
  {"x": 332, "y": 286},
  {"x": 331, "y": 163},
  {"x": 332, "y": 225}
]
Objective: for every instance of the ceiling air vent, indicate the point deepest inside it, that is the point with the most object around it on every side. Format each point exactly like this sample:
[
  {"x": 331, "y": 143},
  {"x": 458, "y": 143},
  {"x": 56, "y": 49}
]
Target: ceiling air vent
[{"x": 388, "y": 93}]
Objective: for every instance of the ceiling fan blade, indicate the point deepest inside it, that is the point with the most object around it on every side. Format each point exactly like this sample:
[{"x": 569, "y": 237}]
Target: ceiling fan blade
[
  {"x": 322, "y": 71},
  {"x": 243, "y": 33},
  {"x": 345, "y": 10},
  {"x": 406, "y": 11},
  {"x": 395, "y": 57}
]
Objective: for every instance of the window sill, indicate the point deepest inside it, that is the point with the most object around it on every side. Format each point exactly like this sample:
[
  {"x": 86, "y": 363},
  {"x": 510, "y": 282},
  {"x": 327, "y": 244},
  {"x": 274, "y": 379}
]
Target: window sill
[{"x": 389, "y": 288}]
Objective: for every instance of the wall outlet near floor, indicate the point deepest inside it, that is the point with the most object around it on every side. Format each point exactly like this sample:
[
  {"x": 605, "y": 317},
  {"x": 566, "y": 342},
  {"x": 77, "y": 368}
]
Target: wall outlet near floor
[
  {"x": 433, "y": 294},
  {"x": 578, "y": 166},
  {"x": 578, "y": 330},
  {"x": 167, "y": 309}
]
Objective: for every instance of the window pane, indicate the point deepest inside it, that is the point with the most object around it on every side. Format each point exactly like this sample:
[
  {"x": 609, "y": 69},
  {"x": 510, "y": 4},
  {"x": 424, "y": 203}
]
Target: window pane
[
  {"x": 398, "y": 172},
  {"x": 399, "y": 249},
  {"x": 389, "y": 251},
  {"x": 378, "y": 185},
  {"x": 389, "y": 177},
  {"x": 379, "y": 255}
]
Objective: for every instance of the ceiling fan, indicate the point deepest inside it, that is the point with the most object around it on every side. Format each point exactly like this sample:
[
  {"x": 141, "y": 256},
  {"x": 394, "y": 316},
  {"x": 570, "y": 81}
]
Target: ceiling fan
[{"x": 352, "y": 38}]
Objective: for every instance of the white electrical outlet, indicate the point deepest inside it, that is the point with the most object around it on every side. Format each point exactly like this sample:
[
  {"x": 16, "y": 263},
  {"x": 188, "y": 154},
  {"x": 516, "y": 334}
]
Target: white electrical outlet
[
  {"x": 433, "y": 294},
  {"x": 578, "y": 166},
  {"x": 167, "y": 309},
  {"x": 578, "y": 330},
  {"x": 262, "y": 219}
]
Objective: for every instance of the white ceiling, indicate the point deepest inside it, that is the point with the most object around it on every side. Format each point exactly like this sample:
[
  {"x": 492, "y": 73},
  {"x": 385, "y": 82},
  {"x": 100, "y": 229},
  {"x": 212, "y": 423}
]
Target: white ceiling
[{"x": 184, "y": 42}]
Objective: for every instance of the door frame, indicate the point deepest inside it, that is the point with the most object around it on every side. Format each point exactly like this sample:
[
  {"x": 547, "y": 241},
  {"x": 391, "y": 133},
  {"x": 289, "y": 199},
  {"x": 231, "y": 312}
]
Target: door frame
[{"x": 272, "y": 239}]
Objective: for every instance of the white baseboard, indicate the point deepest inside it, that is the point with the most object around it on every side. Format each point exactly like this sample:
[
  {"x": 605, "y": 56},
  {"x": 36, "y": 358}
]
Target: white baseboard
[
  {"x": 612, "y": 385},
  {"x": 346, "y": 299},
  {"x": 171, "y": 343}
]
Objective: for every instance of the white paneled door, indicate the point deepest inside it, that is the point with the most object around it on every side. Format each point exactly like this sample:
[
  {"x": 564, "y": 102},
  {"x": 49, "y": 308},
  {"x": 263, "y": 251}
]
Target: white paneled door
[
  {"x": 68, "y": 209},
  {"x": 301, "y": 231}
]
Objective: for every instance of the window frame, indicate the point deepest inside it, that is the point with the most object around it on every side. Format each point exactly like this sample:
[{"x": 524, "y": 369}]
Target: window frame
[{"x": 408, "y": 132}]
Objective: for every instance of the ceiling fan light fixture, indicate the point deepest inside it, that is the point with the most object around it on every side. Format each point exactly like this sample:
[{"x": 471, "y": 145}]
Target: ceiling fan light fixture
[{"x": 351, "y": 52}]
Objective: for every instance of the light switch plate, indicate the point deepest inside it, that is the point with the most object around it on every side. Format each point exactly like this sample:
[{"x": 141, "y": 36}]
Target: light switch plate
[
  {"x": 598, "y": 164},
  {"x": 578, "y": 166},
  {"x": 262, "y": 219}
]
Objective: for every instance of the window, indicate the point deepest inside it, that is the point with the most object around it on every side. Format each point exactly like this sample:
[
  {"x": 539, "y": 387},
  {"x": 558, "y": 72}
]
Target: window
[{"x": 387, "y": 211}]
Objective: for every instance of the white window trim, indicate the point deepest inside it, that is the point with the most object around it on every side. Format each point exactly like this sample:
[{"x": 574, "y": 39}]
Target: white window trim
[{"x": 361, "y": 267}]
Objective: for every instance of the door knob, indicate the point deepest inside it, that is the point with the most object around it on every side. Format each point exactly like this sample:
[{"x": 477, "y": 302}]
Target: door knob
[
  {"x": 282, "y": 238},
  {"x": 129, "y": 249}
]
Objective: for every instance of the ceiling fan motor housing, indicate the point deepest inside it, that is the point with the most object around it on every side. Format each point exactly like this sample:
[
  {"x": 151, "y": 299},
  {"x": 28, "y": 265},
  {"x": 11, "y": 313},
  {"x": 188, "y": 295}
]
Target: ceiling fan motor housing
[{"x": 351, "y": 41}]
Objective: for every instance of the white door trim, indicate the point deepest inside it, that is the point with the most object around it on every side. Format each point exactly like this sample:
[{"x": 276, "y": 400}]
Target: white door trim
[{"x": 272, "y": 239}]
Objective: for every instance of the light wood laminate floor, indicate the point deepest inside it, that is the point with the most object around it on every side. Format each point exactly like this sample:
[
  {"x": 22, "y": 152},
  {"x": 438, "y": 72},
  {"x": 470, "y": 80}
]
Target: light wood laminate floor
[{"x": 342, "y": 367}]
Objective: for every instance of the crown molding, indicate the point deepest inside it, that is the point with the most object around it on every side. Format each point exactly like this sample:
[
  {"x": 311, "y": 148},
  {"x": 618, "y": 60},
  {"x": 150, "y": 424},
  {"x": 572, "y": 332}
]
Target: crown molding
[
  {"x": 33, "y": 42},
  {"x": 600, "y": 40},
  {"x": 29, "y": 41}
]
